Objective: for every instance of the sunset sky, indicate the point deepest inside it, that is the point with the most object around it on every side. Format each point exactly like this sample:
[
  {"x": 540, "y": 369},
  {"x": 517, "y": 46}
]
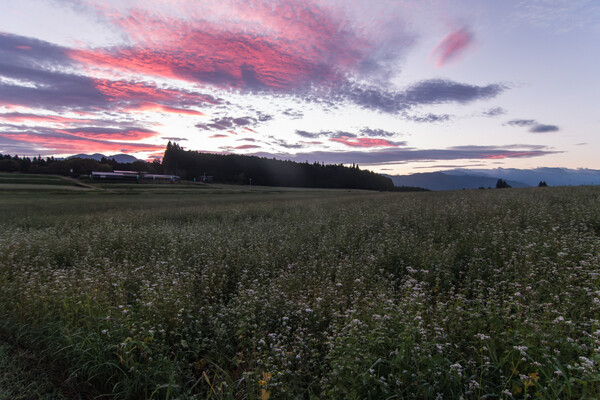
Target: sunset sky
[{"x": 396, "y": 86}]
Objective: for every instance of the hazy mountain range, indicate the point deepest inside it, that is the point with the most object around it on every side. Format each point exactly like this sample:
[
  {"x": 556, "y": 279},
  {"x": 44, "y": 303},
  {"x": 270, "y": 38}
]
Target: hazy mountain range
[
  {"x": 457, "y": 179},
  {"x": 120, "y": 158}
]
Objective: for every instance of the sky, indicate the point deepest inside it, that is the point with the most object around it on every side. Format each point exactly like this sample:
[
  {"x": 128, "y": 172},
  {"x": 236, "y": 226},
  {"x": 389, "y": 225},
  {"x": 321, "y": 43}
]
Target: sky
[{"x": 395, "y": 86}]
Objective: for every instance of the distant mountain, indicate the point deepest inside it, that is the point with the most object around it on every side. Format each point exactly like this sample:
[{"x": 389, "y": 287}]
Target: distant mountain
[
  {"x": 120, "y": 158},
  {"x": 457, "y": 179},
  {"x": 532, "y": 177},
  {"x": 445, "y": 181}
]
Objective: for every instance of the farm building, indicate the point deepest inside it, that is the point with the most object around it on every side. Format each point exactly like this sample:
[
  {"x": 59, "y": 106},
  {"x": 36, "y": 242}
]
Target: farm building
[{"x": 133, "y": 176}]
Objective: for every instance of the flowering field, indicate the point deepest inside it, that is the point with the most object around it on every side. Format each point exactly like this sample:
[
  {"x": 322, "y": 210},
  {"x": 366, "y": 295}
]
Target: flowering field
[{"x": 342, "y": 295}]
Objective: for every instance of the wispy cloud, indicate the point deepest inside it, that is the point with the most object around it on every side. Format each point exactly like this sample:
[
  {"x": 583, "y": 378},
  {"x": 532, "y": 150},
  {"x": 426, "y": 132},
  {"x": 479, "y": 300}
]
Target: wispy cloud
[
  {"x": 378, "y": 133},
  {"x": 452, "y": 46},
  {"x": 433, "y": 91},
  {"x": 383, "y": 156},
  {"x": 521, "y": 122},
  {"x": 338, "y": 134},
  {"x": 132, "y": 134},
  {"x": 327, "y": 134},
  {"x": 227, "y": 123},
  {"x": 494, "y": 112},
  {"x": 427, "y": 118},
  {"x": 365, "y": 142},
  {"x": 542, "y": 128},
  {"x": 373, "y": 138},
  {"x": 48, "y": 141},
  {"x": 36, "y": 118},
  {"x": 533, "y": 125}
]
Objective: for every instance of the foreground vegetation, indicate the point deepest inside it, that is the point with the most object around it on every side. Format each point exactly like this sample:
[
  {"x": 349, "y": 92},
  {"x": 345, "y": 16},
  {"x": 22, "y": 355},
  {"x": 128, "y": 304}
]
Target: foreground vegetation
[{"x": 301, "y": 294}]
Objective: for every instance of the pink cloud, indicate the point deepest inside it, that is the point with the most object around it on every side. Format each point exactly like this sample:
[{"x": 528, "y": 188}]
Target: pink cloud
[
  {"x": 247, "y": 146},
  {"x": 142, "y": 91},
  {"x": 63, "y": 144},
  {"x": 110, "y": 133},
  {"x": 363, "y": 142},
  {"x": 148, "y": 106},
  {"x": 25, "y": 117},
  {"x": 278, "y": 45},
  {"x": 451, "y": 47}
]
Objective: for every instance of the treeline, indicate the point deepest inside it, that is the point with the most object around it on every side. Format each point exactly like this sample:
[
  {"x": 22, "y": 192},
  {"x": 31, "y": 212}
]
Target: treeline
[
  {"x": 231, "y": 168},
  {"x": 240, "y": 169},
  {"x": 71, "y": 166},
  {"x": 408, "y": 189}
]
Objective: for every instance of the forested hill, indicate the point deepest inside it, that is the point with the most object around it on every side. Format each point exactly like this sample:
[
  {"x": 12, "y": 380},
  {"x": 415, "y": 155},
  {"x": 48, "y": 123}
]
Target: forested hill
[{"x": 240, "y": 169}]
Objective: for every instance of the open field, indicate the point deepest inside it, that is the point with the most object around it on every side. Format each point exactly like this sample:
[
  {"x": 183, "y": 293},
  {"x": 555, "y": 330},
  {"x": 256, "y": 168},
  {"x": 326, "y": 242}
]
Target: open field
[
  {"x": 28, "y": 182},
  {"x": 219, "y": 292}
]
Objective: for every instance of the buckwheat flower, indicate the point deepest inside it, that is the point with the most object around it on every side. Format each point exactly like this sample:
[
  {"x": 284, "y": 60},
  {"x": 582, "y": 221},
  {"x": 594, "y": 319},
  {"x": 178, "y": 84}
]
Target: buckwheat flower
[
  {"x": 457, "y": 368},
  {"x": 586, "y": 363},
  {"x": 521, "y": 349}
]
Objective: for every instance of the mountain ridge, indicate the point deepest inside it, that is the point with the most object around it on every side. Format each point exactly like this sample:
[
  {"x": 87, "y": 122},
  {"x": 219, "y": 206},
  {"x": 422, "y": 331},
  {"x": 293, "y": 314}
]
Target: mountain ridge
[
  {"x": 120, "y": 158},
  {"x": 463, "y": 178}
]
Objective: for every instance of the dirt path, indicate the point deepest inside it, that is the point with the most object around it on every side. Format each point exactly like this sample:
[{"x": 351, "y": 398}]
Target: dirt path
[{"x": 79, "y": 183}]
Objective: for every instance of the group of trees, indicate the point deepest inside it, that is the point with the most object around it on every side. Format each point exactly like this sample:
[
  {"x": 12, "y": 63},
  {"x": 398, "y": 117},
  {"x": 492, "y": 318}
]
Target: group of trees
[
  {"x": 501, "y": 184},
  {"x": 240, "y": 169},
  {"x": 229, "y": 168},
  {"x": 71, "y": 166}
]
